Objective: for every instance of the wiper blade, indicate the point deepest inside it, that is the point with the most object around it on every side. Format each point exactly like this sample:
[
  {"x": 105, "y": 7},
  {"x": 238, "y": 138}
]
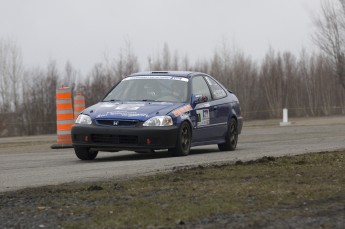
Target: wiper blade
[
  {"x": 148, "y": 100},
  {"x": 112, "y": 100}
]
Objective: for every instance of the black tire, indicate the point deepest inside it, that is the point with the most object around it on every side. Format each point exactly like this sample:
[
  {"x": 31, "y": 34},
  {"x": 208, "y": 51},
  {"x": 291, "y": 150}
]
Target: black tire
[
  {"x": 84, "y": 153},
  {"x": 230, "y": 138},
  {"x": 184, "y": 140}
]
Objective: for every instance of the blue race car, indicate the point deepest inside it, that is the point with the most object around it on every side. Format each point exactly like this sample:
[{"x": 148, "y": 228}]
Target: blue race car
[{"x": 150, "y": 111}]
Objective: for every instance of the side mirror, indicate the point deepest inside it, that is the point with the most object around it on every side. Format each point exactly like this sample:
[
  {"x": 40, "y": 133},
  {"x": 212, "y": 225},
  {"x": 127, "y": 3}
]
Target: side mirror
[{"x": 199, "y": 99}]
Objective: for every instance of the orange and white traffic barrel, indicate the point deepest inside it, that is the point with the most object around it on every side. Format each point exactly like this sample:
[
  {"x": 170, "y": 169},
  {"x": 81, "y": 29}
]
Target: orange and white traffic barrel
[
  {"x": 64, "y": 118},
  {"x": 78, "y": 104}
]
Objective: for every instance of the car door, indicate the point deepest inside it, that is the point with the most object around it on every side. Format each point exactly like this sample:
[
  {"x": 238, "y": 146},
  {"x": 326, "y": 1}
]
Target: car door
[{"x": 203, "y": 112}]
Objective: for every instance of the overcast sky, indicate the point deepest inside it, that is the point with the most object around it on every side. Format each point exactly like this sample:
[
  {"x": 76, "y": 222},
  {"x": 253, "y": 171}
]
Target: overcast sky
[{"x": 82, "y": 31}]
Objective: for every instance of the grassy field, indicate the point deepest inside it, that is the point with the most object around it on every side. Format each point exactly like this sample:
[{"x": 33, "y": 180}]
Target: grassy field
[{"x": 306, "y": 191}]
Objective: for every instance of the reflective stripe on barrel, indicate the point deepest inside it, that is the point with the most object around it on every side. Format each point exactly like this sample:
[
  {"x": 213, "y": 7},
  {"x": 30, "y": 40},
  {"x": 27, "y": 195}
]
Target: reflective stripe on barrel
[
  {"x": 64, "y": 115},
  {"x": 65, "y": 104},
  {"x": 79, "y": 104}
]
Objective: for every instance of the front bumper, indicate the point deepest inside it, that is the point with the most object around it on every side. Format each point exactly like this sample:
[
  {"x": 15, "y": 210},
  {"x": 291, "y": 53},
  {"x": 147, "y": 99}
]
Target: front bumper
[{"x": 123, "y": 138}]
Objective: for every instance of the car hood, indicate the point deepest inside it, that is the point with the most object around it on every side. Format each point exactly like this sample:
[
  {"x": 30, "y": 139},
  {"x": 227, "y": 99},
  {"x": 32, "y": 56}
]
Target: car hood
[{"x": 141, "y": 111}]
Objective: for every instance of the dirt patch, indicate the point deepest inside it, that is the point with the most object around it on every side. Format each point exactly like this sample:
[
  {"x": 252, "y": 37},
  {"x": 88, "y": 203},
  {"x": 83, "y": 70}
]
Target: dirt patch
[{"x": 306, "y": 191}]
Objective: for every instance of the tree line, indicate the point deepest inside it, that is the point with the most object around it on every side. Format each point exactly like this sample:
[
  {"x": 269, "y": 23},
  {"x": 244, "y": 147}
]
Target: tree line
[
  {"x": 303, "y": 84},
  {"x": 308, "y": 84}
]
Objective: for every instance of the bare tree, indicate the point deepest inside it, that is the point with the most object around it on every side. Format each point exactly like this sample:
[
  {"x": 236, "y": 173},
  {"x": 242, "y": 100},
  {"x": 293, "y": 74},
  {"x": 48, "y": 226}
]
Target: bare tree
[
  {"x": 70, "y": 75},
  {"x": 15, "y": 74},
  {"x": 127, "y": 62},
  {"x": 330, "y": 35},
  {"x": 306, "y": 94},
  {"x": 186, "y": 63},
  {"x": 166, "y": 57},
  {"x": 99, "y": 84},
  {"x": 202, "y": 66},
  {"x": 175, "y": 64},
  {"x": 11, "y": 67},
  {"x": 272, "y": 81},
  {"x": 245, "y": 84},
  {"x": 4, "y": 80},
  {"x": 163, "y": 61},
  {"x": 38, "y": 106},
  {"x": 216, "y": 67}
]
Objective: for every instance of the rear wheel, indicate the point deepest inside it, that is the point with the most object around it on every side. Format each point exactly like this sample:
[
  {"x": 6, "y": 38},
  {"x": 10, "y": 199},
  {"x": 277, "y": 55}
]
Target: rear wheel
[
  {"x": 184, "y": 140},
  {"x": 230, "y": 138},
  {"x": 84, "y": 153}
]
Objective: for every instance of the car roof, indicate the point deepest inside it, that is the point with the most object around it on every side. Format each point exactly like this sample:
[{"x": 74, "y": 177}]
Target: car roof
[{"x": 186, "y": 74}]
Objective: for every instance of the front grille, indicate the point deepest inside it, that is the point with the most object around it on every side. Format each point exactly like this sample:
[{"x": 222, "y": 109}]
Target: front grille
[
  {"x": 112, "y": 122},
  {"x": 78, "y": 138},
  {"x": 115, "y": 139}
]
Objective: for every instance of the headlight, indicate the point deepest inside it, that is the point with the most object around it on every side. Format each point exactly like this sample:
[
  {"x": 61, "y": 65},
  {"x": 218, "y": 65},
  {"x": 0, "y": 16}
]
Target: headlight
[
  {"x": 159, "y": 121},
  {"x": 83, "y": 119}
]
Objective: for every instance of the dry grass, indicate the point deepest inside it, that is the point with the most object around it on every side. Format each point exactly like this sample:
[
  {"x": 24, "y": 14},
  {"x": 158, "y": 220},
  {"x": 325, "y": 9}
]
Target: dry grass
[{"x": 269, "y": 190}]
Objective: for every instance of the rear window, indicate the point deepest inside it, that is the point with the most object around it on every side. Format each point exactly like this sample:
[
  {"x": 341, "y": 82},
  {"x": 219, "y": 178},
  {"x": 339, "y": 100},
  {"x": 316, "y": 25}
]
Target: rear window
[{"x": 216, "y": 90}]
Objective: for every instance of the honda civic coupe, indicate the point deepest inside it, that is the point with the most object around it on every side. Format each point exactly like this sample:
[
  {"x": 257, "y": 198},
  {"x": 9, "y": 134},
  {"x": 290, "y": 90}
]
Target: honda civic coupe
[{"x": 150, "y": 111}]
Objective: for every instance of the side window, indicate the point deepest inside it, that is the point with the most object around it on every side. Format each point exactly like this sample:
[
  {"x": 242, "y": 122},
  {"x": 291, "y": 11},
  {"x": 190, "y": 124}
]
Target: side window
[
  {"x": 200, "y": 87},
  {"x": 216, "y": 90}
]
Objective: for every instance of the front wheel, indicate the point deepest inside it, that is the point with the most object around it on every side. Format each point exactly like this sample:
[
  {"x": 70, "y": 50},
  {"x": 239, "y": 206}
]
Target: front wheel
[
  {"x": 84, "y": 153},
  {"x": 183, "y": 142},
  {"x": 230, "y": 138}
]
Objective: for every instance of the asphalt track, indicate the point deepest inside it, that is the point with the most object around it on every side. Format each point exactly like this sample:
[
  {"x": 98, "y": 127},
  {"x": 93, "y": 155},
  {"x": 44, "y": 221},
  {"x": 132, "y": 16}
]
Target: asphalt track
[{"x": 29, "y": 161}]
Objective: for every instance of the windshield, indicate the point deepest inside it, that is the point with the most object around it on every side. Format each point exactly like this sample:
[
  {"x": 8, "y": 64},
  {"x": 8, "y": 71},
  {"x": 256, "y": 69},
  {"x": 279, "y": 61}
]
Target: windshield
[{"x": 149, "y": 88}]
